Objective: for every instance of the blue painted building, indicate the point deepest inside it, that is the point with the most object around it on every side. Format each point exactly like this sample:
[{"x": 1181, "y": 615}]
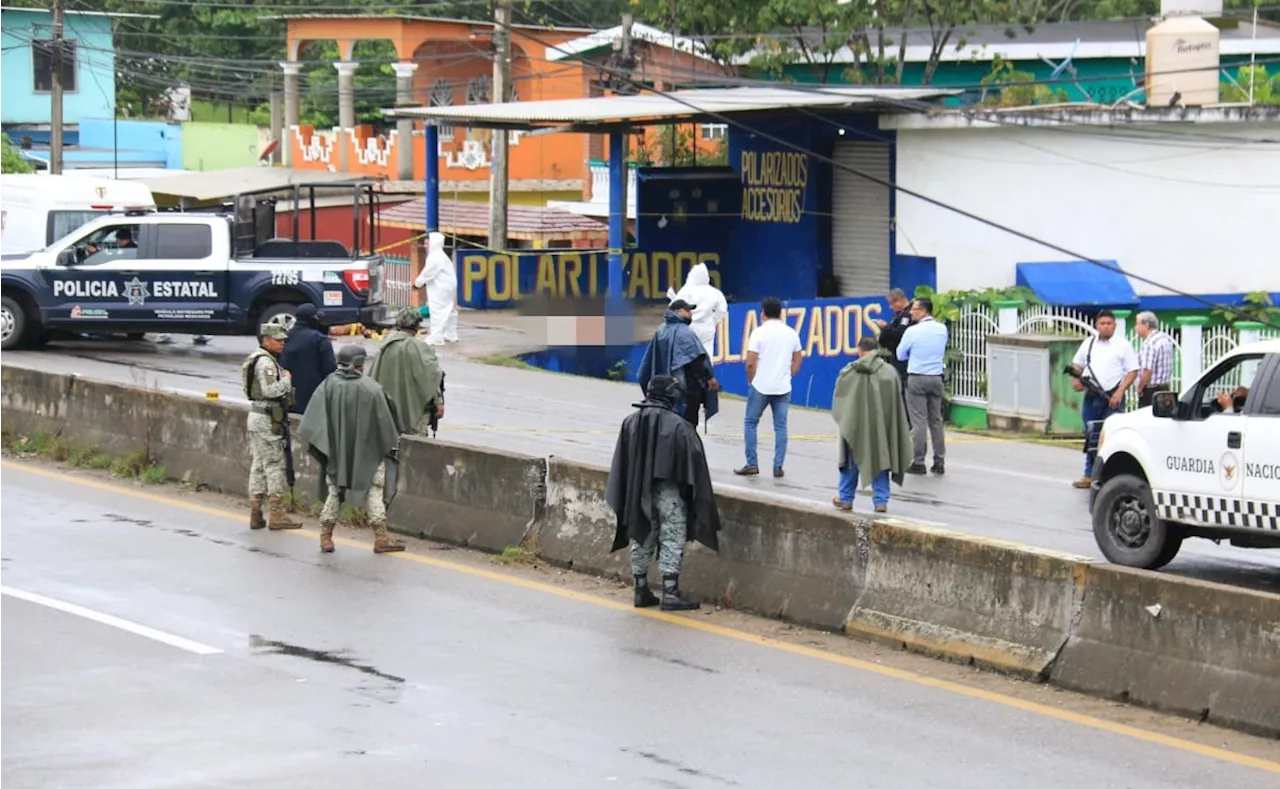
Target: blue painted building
[{"x": 26, "y": 67}]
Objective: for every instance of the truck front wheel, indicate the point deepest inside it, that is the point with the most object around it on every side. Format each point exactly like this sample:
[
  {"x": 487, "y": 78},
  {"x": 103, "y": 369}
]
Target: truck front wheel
[
  {"x": 1127, "y": 528},
  {"x": 13, "y": 323}
]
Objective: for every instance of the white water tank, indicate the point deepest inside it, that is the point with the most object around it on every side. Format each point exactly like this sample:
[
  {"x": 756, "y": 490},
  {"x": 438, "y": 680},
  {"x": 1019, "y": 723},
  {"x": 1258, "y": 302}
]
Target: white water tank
[{"x": 1182, "y": 61}]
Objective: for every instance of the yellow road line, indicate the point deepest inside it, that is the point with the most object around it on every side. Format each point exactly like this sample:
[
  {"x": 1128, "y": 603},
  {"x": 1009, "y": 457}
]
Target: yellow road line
[{"x": 705, "y": 627}]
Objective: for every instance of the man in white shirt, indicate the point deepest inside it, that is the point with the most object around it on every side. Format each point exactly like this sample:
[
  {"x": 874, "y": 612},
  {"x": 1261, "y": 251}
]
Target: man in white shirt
[
  {"x": 1111, "y": 363},
  {"x": 773, "y": 359}
]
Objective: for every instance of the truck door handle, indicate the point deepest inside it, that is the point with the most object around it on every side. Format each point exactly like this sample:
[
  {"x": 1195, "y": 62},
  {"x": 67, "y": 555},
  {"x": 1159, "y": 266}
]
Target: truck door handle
[
  {"x": 134, "y": 272},
  {"x": 1233, "y": 439}
]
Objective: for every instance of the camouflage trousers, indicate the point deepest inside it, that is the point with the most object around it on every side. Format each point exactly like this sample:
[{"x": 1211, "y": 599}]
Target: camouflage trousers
[
  {"x": 374, "y": 507},
  {"x": 266, "y": 465},
  {"x": 667, "y": 536}
]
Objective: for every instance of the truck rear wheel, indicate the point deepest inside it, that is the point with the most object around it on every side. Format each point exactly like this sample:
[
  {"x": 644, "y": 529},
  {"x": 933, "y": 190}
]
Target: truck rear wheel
[
  {"x": 281, "y": 315},
  {"x": 1128, "y": 530},
  {"x": 13, "y": 323}
]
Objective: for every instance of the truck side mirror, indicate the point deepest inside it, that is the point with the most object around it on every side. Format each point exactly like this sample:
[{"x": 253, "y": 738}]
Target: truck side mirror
[
  {"x": 67, "y": 257},
  {"x": 1164, "y": 405}
]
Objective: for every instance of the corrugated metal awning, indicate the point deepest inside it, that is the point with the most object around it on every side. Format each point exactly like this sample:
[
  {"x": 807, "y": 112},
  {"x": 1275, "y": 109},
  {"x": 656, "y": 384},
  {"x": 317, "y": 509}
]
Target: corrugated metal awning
[
  {"x": 655, "y": 108},
  {"x": 223, "y": 184},
  {"x": 524, "y": 222}
]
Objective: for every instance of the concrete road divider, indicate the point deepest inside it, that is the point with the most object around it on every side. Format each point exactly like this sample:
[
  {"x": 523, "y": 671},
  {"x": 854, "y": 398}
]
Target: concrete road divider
[
  {"x": 1190, "y": 647},
  {"x": 775, "y": 559},
  {"x": 994, "y": 604},
  {"x": 1195, "y": 648}
]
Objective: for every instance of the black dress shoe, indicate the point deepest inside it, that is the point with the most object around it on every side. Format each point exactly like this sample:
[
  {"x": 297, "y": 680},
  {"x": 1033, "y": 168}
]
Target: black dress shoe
[
  {"x": 938, "y": 469},
  {"x": 917, "y": 468}
]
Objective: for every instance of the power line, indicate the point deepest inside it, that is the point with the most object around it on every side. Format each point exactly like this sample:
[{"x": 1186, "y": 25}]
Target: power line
[{"x": 760, "y": 133}]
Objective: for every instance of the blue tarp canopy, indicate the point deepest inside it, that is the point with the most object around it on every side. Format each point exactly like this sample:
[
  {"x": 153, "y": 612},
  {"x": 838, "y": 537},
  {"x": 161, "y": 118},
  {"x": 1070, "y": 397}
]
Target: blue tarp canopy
[{"x": 1078, "y": 283}]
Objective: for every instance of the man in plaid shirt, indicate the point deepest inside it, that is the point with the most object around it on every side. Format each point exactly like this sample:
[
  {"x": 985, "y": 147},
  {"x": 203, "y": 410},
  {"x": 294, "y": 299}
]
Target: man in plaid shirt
[{"x": 1155, "y": 360}]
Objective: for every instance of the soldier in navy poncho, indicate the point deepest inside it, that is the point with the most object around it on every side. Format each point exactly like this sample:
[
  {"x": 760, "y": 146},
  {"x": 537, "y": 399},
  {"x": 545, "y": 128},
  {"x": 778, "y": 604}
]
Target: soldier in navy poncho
[{"x": 676, "y": 351}]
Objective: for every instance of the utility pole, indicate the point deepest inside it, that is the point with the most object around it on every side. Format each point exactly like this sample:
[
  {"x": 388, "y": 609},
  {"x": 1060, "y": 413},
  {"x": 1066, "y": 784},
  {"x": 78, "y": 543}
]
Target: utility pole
[
  {"x": 498, "y": 169},
  {"x": 55, "y": 94}
]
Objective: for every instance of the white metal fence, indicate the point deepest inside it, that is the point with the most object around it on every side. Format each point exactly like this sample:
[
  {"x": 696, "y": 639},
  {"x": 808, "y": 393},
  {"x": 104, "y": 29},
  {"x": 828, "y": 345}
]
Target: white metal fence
[
  {"x": 397, "y": 282},
  {"x": 969, "y": 332}
]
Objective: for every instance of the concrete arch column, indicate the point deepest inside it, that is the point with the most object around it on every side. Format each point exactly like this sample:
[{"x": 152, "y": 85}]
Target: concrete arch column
[{"x": 404, "y": 128}]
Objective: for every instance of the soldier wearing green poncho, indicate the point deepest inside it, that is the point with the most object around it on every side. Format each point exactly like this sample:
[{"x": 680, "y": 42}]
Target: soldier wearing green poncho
[
  {"x": 410, "y": 374},
  {"x": 350, "y": 430},
  {"x": 872, "y": 424}
]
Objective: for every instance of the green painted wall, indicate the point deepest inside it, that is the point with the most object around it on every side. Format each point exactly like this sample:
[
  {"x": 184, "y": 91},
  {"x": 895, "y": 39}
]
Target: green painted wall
[
  {"x": 218, "y": 146},
  {"x": 1106, "y": 79}
]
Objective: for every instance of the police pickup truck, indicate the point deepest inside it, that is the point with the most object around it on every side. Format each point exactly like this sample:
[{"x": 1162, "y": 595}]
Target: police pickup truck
[
  {"x": 1203, "y": 464},
  {"x": 192, "y": 273}
]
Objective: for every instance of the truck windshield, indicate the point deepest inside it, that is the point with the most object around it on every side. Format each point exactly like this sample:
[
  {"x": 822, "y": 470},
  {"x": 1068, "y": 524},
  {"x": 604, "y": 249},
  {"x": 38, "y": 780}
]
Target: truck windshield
[{"x": 62, "y": 223}]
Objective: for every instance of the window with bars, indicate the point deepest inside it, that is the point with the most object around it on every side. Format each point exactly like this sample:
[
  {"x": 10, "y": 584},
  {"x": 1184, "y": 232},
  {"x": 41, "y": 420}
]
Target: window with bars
[
  {"x": 442, "y": 96},
  {"x": 42, "y": 65},
  {"x": 714, "y": 131}
]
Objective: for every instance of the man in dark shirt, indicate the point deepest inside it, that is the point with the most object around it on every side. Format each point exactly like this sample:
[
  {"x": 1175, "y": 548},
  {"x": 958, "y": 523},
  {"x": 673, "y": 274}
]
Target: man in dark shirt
[
  {"x": 891, "y": 335},
  {"x": 307, "y": 355},
  {"x": 891, "y": 331}
]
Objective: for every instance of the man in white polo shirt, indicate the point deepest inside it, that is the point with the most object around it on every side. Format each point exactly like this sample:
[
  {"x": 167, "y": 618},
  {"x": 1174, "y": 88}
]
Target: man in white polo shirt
[
  {"x": 1110, "y": 362},
  {"x": 773, "y": 359}
]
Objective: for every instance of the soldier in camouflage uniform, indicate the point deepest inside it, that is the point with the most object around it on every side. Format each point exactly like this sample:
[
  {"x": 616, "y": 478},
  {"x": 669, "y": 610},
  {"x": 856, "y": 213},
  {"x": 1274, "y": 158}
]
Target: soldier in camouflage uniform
[
  {"x": 269, "y": 388},
  {"x": 669, "y": 538}
]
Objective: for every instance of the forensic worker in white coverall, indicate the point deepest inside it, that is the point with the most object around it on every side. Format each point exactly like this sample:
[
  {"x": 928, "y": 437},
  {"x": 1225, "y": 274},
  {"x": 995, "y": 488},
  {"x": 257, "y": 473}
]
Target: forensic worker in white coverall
[
  {"x": 709, "y": 305},
  {"x": 440, "y": 279}
]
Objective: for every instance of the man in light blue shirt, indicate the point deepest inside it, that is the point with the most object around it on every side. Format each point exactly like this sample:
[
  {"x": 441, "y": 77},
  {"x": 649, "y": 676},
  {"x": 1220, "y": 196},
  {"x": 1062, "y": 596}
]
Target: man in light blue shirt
[{"x": 924, "y": 348}]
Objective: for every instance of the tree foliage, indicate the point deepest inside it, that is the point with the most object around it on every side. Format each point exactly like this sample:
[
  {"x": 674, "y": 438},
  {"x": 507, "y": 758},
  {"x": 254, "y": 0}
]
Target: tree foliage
[
  {"x": 10, "y": 160},
  {"x": 778, "y": 34}
]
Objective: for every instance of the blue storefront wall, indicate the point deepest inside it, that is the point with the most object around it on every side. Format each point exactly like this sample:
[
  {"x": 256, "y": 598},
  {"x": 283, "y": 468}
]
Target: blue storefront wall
[{"x": 829, "y": 332}]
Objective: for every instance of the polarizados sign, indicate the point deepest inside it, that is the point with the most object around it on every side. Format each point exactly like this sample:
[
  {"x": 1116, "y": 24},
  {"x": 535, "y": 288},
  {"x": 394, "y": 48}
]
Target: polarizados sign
[{"x": 491, "y": 280}]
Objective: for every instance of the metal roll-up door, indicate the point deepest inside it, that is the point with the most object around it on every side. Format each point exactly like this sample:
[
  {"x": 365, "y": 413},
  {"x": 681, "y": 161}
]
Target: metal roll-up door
[{"x": 860, "y": 224}]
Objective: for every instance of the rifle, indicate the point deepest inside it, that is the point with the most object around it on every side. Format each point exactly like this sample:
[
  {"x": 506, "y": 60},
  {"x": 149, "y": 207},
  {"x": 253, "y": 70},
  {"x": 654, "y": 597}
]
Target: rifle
[
  {"x": 1091, "y": 386},
  {"x": 286, "y": 432}
]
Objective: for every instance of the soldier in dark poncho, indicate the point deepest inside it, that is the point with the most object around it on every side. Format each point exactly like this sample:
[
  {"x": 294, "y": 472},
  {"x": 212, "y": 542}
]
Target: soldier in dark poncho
[{"x": 660, "y": 489}]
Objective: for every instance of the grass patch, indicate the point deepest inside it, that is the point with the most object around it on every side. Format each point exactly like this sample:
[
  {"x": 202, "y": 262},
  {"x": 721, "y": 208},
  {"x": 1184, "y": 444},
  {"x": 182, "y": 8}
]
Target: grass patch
[
  {"x": 353, "y": 516},
  {"x": 514, "y": 555},
  {"x": 131, "y": 465},
  {"x": 100, "y": 462},
  {"x": 152, "y": 475},
  {"x": 83, "y": 456},
  {"x": 502, "y": 360}
]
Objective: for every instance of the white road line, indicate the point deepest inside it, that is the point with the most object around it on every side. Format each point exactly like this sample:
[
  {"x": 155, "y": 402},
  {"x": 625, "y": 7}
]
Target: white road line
[{"x": 113, "y": 621}]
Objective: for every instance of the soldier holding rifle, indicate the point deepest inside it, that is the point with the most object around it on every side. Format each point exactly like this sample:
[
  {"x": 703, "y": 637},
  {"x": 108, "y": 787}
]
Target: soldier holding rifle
[{"x": 269, "y": 389}]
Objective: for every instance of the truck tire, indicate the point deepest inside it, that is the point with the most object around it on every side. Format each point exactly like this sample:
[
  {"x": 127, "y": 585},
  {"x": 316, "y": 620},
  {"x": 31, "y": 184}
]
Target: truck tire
[
  {"x": 13, "y": 324},
  {"x": 281, "y": 314},
  {"x": 1126, "y": 527}
]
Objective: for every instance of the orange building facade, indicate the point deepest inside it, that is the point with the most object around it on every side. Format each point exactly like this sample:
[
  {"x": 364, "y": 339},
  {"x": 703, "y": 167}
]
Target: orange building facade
[{"x": 450, "y": 62}]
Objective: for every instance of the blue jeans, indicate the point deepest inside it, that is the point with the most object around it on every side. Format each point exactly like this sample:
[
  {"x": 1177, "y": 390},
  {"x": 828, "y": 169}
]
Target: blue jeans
[
  {"x": 849, "y": 484},
  {"x": 1093, "y": 409},
  {"x": 756, "y": 403}
]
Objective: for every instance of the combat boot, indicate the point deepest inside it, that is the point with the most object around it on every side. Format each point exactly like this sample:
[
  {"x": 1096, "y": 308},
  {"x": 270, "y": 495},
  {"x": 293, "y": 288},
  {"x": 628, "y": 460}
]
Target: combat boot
[
  {"x": 326, "y": 537},
  {"x": 672, "y": 600},
  {"x": 645, "y": 598},
  {"x": 256, "y": 521},
  {"x": 382, "y": 542},
  {"x": 278, "y": 521}
]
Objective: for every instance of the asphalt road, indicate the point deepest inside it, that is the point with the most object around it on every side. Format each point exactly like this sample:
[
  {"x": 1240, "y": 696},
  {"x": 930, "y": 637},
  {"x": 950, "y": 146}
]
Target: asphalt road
[
  {"x": 152, "y": 642},
  {"x": 1000, "y": 489}
]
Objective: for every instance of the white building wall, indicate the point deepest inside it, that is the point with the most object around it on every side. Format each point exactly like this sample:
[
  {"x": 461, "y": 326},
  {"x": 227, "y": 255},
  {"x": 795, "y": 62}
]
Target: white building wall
[{"x": 1194, "y": 206}]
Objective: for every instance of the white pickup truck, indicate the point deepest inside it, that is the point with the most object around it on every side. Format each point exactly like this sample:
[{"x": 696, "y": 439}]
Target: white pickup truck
[{"x": 1203, "y": 464}]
